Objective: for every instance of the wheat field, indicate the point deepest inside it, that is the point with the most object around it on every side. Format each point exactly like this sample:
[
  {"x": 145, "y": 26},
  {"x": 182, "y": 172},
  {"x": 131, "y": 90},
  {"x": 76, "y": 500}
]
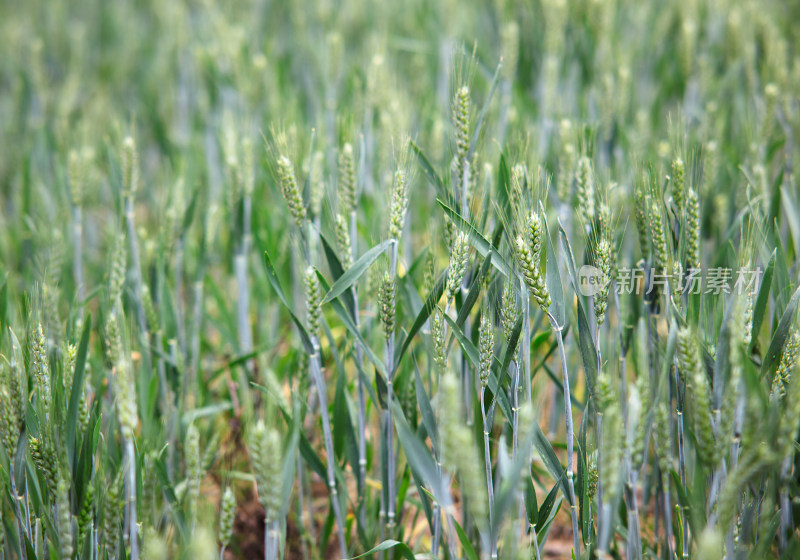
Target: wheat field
[{"x": 450, "y": 280}]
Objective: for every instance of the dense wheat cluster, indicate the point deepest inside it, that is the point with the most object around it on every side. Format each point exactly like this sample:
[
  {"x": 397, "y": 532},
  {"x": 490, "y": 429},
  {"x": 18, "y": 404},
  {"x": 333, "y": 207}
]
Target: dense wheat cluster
[{"x": 411, "y": 279}]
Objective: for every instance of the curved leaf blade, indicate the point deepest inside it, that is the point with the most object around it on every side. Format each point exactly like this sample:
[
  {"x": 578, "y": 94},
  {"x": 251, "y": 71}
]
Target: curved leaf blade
[
  {"x": 272, "y": 276},
  {"x": 481, "y": 244},
  {"x": 352, "y": 274}
]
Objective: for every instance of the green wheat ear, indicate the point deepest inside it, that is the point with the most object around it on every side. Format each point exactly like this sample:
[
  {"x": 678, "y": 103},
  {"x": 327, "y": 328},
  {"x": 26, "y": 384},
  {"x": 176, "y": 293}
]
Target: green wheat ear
[
  {"x": 459, "y": 256},
  {"x": 461, "y": 108},
  {"x": 438, "y": 337},
  {"x": 510, "y": 310},
  {"x": 535, "y": 235},
  {"x": 41, "y": 368},
  {"x": 316, "y": 184},
  {"x": 586, "y": 189},
  {"x": 154, "y": 547},
  {"x": 12, "y": 399},
  {"x": 640, "y": 217},
  {"x": 116, "y": 276},
  {"x": 64, "y": 519},
  {"x": 458, "y": 451},
  {"x": 485, "y": 347},
  {"x": 347, "y": 180},
  {"x": 786, "y": 366},
  {"x": 699, "y": 393},
  {"x": 731, "y": 393},
  {"x": 266, "y": 455},
  {"x": 662, "y": 432},
  {"x": 3, "y": 532},
  {"x": 290, "y": 190},
  {"x": 566, "y": 163},
  {"x": 313, "y": 300},
  {"x": 226, "y": 517},
  {"x": 603, "y": 261},
  {"x": 126, "y": 398},
  {"x": 709, "y": 545},
  {"x": 343, "y": 242},
  {"x": 611, "y": 443},
  {"x": 790, "y": 376},
  {"x": 692, "y": 229},
  {"x": 679, "y": 184},
  {"x": 532, "y": 274},
  {"x": 193, "y": 468},
  {"x": 130, "y": 166},
  {"x": 399, "y": 205},
  {"x": 386, "y": 303}
]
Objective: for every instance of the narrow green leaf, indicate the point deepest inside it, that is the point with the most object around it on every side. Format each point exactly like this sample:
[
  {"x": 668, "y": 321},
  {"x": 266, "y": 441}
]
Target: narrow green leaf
[
  {"x": 206, "y": 411},
  {"x": 466, "y": 545},
  {"x": 288, "y": 468},
  {"x": 511, "y": 346},
  {"x": 544, "y": 530},
  {"x": 402, "y": 548},
  {"x": 550, "y": 459},
  {"x": 188, "y": 215},
  {"x": 464, "y": 342},
  {"x": 547, "y": 506},
  {"x": 428, "y": 418},
  {"x": 342, "y": 423},
  {"x": 503, "y": 181},
  {"x": 474, "y": 291},
  {"x": 588, "y": 350},
  {"x": 423, "y": 466},
  {"x": 3, "y": 303},
  {"x": 352, "y": 274},
  {"x": 238, "y": 360},
  {"x": 506, "y": 497},
  {"x": 719, "y": 364},
  {"x": 338, "y": 307},
  {"x": 531, "y": 503},
  {"x": 762, "y": 299},
  {"x": 477, "y": 240},
  {"x": 335, "y": 266},
  {"x": 789, "y": 206},
  {"x": 77, "y": 389},
  {"x": 570, "y": 261},
  {"x": 429, "y": 170},
  {"x": 272, "y": 276},
  {"x": 422, "y": 316}
]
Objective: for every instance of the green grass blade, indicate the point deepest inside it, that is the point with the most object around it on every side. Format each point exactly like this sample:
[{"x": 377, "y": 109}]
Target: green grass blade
[
  {"x": 481, "y": 244},
  {"x": 760, "y": 307},
  {"x": 428, "y": 417},
  {"x": 340, "y": 310},
  {"x": 272, "y": 276},
  {"x": 550, "y": 459},
  {"x": 474, "y": 291},
  {"x": 422, "y": 316},
  {"x": 466, "y": 545},
  {"x": 429, "y": 170},
  {"x": 352, "y": 274},
  {"x": 77, "y": 389},
  {"x": 402, "y": 548}
]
